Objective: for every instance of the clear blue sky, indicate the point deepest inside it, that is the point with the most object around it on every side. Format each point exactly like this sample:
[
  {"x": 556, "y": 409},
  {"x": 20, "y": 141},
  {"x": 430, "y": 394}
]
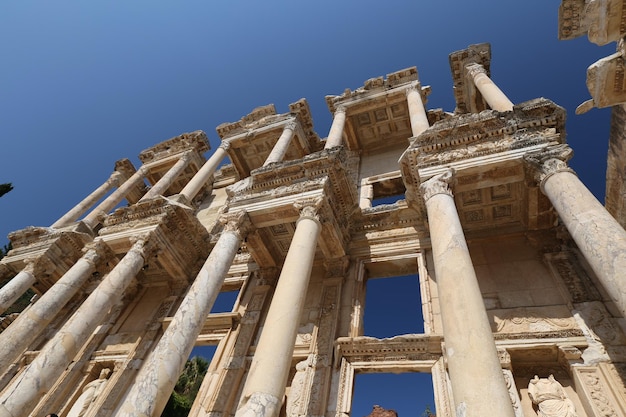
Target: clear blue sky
[{"x": 83, "y": 84}]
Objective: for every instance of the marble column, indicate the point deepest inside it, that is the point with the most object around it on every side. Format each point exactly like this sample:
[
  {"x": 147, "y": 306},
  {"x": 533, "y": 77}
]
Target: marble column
[
  {"x": 417, "y": 111},
  {"x": 79, "y": 209},
  {"x": 478, "y": 386},
  {"x": 265, "y": 385},
  {"x": 496, "y": 99},
  {"x": 335, "y": 136},
  {"x": 280, "y": 148},
  {"x": 23, "y": 394},
  {"x": 204, "y": 174},
  {"x": 170, "y": 176},
  {"x": 93, "y": 218},
  {"x": 17, "y": 286},
  {"x": 16, "y": 338},
  {"x": 597, "y": 234},
  {"x": 158, "y": 375}
]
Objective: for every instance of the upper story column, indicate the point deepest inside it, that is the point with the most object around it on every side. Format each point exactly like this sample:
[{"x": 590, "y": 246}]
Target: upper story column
[
  {"x": 22, "y": 396},
  {"x": 280, "y": 148},
  {"x": 478, "y": 386},
  {"x": 71, "y": 216},
  {"x": 335, "y": 136},
  {"x": 16, "y": 338},
  {"x": 417, "y": 111},
  {"x": 598, "y": 235},
  {"x": 93, "y": 218},
  {"x": 265, "y": 386},
  {"x": 168, "y": 179},
  {"x": 157, "y": 377},
  {"x": 17, "y": 286},
  {"x": 204, "y": 174},
  {"x": 496, "y": 99}
]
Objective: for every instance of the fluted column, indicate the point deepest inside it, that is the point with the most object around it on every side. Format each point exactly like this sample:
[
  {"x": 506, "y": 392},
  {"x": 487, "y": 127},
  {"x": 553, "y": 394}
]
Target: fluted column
[
  {"x": 79, "y": 209},
  {"x": 21, "y": 397},
  {"x": 17, "y": 286},
  {"x": 478, "y": 386},
  {"x": 204, "y": 174},
  {"x": 417, "y": 111},
  {"x": 597, "y": 234},
  {"x": 265, "y": 386},
  {"x": 93, "y": 218},
  {"x": 282, "y": 144},
  {"x": 496, "y": 99},
  {"x": 158, "y": 375},
  {"x": 170, "y": 176},
  {"x": 335, "y": 136},
  {"x": 16, "y": 338}
]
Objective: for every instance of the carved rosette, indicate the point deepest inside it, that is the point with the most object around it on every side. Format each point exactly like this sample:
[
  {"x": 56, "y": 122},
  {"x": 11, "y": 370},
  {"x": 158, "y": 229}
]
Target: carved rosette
[
  {"x": 549, "y": 161},
  {"x": 309, "y": 208},
  {"x": 439, "y": 184},
  {"x": 237, "y": 222}
]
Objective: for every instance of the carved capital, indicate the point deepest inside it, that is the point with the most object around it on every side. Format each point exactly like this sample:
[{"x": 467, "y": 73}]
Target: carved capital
[
  {"x": 144, "y": 245},
  {"x": 439, "y": 184},
  {"x": 475, "y": 69},
  {"x": 341, "y": 109},
  {"x": 115, "y": 179},
  {"x": 97, "y": 252},
  {"x": 411, "y": 88},
  {"x": 225, "y": 145},
  {"x": 309, "y": 207},
  {"x": 291, "y": 125},
  {"x": 549, "y": 161},
  {"x": 237, "y": 222},
  {"x": 186, "y": 157}
]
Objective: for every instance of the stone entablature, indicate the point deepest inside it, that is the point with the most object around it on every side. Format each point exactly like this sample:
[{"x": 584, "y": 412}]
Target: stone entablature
[{"x": 196, "y": 141}]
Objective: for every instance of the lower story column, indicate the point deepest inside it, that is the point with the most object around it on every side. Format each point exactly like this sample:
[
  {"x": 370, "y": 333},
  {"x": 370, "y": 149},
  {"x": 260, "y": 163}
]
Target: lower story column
[
  {"x": 157, "y": 377},
  {"x": 478, "y": 386},
  {"x": 265, "y": 386},
  {"x": 18, "y": 285}
]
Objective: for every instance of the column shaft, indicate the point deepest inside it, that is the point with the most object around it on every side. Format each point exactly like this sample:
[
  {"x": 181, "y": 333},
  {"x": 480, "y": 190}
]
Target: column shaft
[
  {"x": 280, "y": 148},
  {"x": 79, "y": 209},
  {"x": 21, "y": 397},
  {"x": 168, "y": 179},
  {"x": 92, "y": 219},
  {"x": 24, "y": 330},
  {"x": 478, "y": 386},
  {"x": 598, "y": 235},
  {"x": 267, "y": 378},
  {"x": 204, "y": 174},
  {"x": 16, "y": 287},
  {"x": 496, "y": 99},
  {"x": 417, "y": 112},
  {"x": 158, "y": 375},
  {"x": 335, "y": 136}
]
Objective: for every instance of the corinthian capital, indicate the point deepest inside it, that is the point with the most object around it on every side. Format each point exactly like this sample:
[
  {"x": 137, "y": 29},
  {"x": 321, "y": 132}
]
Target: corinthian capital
[
  {"x": 439, "y": 184},
  {"x": 474, "y": 69},
  {"x": 237, "y": 222},
  {"x": 549, "y": 161},
  {"x": 292, "y": 125},
  {"x": 225, "y": 145},
  {"x": 309, "y": 207}
]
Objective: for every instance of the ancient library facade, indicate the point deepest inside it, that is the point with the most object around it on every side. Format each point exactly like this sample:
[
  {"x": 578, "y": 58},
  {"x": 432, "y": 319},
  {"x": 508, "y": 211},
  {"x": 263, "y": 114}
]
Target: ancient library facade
[{"x": 518, "y": 265}]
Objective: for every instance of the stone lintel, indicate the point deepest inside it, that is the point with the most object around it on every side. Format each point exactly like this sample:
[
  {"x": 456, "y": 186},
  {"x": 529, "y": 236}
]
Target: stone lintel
[
  {"x": 196, "y": 141},
  {"x": 260, "y": 116},
  {"x": 409, "y": 349},
  {"x": 603, "y": 21},
  {"x": 468, "y": 99}
]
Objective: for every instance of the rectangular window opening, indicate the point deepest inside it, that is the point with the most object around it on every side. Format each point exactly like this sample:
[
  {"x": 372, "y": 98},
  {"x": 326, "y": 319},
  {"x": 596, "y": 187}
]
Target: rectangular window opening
[
  {"x": 408, "y": 394},
  {"x": 388, "y": 191}
]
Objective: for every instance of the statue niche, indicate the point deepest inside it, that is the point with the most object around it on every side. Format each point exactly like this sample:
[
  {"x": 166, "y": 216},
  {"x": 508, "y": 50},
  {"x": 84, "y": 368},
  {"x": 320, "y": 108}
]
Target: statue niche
[
  {"x": 550, "y": 398},
  {"x": 90, "y": 393}
]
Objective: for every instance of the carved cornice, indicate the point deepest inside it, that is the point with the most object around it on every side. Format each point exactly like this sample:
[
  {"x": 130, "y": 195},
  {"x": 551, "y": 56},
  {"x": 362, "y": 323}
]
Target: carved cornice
[
  {"x": 548, "y": 161},
  {"x": 439, "y": 184},
  {"x": 410, "y": 347},
  {"x": 372, "y": 86},
  {"x": 258, "y": 118},
  {"x": 196, "y": 141}
]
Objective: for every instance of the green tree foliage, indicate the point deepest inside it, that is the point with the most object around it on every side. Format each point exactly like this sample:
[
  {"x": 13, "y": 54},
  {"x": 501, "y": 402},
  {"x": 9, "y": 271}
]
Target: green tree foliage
[
  {"x": 186, "y": 388},
  {"x": 427, "y": 412},
  {"x": 5, "y": 188}
]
